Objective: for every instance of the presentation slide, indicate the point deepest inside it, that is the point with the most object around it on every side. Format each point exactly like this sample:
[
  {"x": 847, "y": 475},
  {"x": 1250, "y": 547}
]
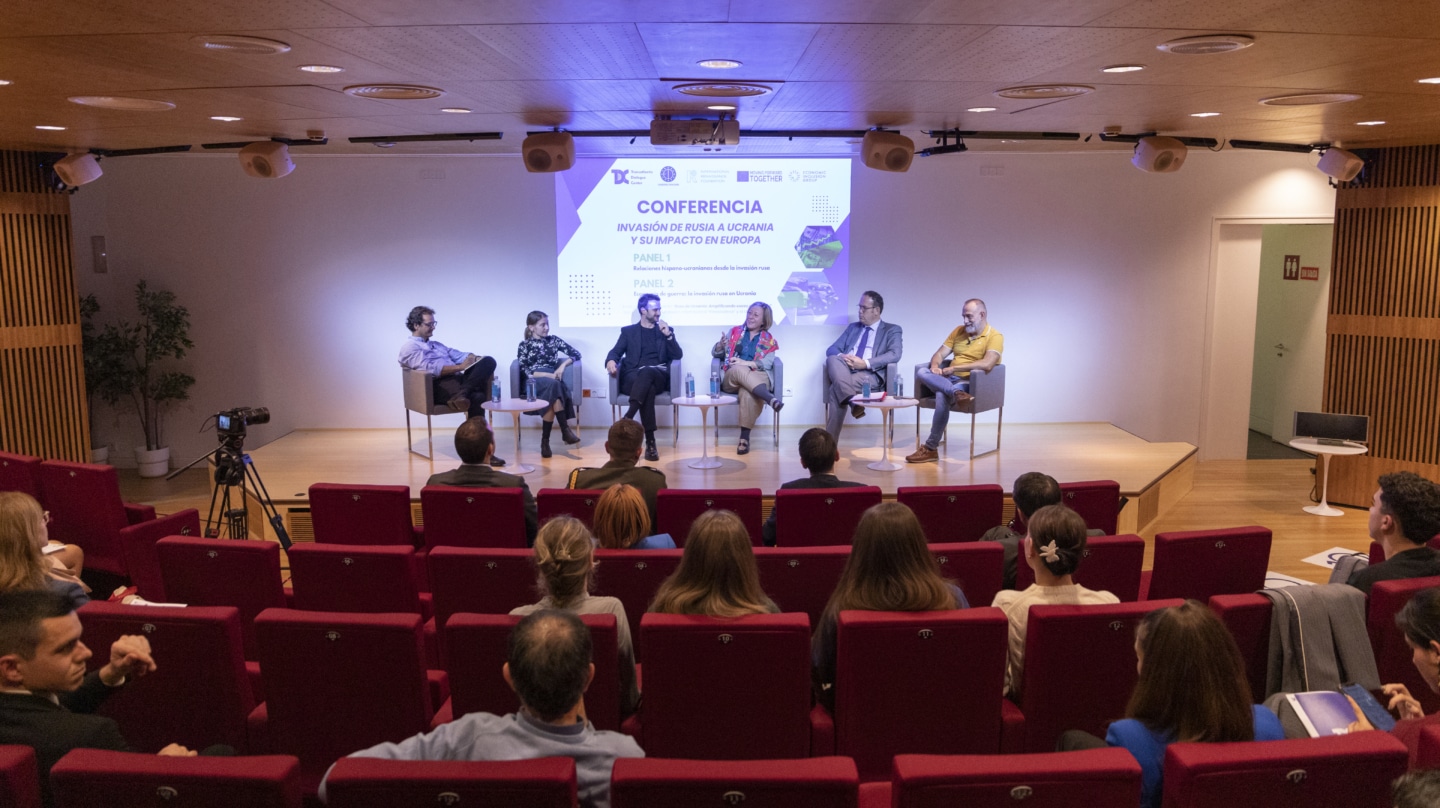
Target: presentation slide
[{"x": 710, "y": 236}]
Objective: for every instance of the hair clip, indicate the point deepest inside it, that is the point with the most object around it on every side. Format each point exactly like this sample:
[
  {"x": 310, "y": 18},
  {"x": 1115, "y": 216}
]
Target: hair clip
[{"x": 1050, "y": 552}]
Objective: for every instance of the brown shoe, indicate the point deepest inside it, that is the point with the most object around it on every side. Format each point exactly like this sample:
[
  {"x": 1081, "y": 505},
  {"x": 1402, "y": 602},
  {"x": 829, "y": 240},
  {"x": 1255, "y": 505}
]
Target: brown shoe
[
  {"x": 961, "y": 397},
  {"x": 922, "y": 455},
  {"x": 857, "y": 410},
  {"x": 459, "y": 404}
]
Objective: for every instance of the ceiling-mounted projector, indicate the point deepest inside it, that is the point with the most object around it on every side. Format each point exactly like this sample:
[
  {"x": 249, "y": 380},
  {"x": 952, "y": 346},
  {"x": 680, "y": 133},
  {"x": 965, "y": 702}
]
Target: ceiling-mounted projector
[
  {"x": 1337, "y": 162},
  {"x": 267, "y": 159},
  {"x": 77, "y": 169},
  {"x": 694, "y": 133},
  {"x": 1159, "y": 155}
]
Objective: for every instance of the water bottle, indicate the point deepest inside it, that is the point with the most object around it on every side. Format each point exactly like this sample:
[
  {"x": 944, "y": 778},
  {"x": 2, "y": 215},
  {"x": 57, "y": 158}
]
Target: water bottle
[
  {"x": 714, "y": 384},
  {"x": 495, "y": 391},
  {"x": 865, "y": 389},
  {"x": 899, "y": 388},
  {"x": 530, "y": 389},
  {"x": 689, "y": 385}
]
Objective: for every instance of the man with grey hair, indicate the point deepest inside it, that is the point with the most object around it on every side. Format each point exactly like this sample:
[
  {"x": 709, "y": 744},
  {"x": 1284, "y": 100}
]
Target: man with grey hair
[
  {"x": 975, "y": 345},
  {"x": 549, "y": 668}
]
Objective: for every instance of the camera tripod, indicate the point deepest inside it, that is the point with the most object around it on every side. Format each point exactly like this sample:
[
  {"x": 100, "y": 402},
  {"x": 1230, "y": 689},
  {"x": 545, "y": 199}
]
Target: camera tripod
[{"x": 234, "y": 469}]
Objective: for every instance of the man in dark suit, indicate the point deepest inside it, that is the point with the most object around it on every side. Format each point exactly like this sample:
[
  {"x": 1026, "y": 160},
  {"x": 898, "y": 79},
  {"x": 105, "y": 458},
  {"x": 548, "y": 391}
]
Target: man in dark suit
[
  {"x": 623, "y": 444},
  {"x": 641, "y": 359},
  {"x": 474, "y": 443},
  {"x": 818, "y": 454},
  {"x": 863, "y": 353},
  {"x": 46, "y": 697}
]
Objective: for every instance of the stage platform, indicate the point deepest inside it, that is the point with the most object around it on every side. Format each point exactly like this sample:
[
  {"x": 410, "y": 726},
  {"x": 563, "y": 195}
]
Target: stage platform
[{"x": 1153, "y": 476}]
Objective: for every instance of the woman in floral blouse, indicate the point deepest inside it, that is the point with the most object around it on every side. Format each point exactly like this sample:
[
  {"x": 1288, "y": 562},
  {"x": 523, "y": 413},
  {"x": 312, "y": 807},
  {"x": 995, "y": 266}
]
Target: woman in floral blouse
[
  {"x": 543, "y": 357},
  {"x": 748, "y": 352}
]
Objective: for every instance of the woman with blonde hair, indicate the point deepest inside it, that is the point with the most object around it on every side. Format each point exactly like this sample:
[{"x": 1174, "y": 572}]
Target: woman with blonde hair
[
  {"x": 748, "y": 354},
  {"x": 565, "y": 560},
  {"x": 717, "y": 576},
  {"x": 890, "y": 569},
  {"x": 23, "y": 564},
  {"x": 622, "y": 521}
]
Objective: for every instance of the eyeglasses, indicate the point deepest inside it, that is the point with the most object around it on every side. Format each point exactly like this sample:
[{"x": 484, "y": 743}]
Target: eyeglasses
[
  {"x": 868, "y": 308},
  {"x": 432, "y": 322}
]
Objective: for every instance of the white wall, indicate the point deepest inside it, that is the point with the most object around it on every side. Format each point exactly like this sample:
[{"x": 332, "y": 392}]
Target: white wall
[{"x": 1096, "y": 273}]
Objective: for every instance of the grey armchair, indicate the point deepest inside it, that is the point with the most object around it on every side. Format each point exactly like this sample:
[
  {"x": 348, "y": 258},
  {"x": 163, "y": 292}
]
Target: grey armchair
[
  {"x": 777, "y": 374},
  {"x": 677, "y": 385},
  {"x": 892, "y": 386},
  {"x": 571, "y": 376},
  {"x": 988, "y": 390},
  {"x": 420, "y": 397}
]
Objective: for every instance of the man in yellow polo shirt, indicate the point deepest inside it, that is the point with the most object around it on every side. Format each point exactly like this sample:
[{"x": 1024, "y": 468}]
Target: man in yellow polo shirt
[{"x": 975, "y": 346}]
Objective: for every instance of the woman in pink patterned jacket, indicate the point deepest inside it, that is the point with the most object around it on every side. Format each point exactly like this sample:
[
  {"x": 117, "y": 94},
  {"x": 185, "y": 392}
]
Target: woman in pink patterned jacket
[{"x": 748, "y": 353}]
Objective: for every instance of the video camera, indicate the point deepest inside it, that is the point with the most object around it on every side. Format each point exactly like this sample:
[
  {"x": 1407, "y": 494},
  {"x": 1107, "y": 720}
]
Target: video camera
[{"x": 232, "y": 423}]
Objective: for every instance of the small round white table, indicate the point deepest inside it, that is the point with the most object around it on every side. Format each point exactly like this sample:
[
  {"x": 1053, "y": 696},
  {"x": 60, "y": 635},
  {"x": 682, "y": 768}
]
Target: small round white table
[
  {"x": 1325, "y": 451},
  {"x": 703, "y": 403},
  {"x": 514, "y": 406},
  {"x": 887, "y": 410}
]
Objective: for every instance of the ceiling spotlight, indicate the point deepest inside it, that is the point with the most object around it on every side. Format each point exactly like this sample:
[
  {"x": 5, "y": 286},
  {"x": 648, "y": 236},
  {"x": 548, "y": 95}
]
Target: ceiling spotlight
[
  {"x": 1122, "y": 68},
  {"x": 393, "y": 92},
  {"x": 233, "y": 43},
  {"x": 1207, "y": 44},
  {"x": 548, "y": 152},
  {"x": 719, "y": 64},
  {"x": 1309, "y": 99},
  {"x": 1159, "y": 155},
  {"x": 722, "y": 107},
  {"x": 455, "y": 110},
  {"x": 1370, "y": 123},
  {"x": 728, "y": 90},
  {"x": 5, "y": 82},
  {"x": 225, "y": 118},
  {"x": 51, "y": 128},
  {"x": 1203, "y": 114},
  {"x": 981, "y": 109},
  {"x": 1045, "y": 91},
  {"x": 77, "y": 169},
  {"x": 887, "y": 151},
  {"x": 267, "y": 159},
  {"x": 1435, "y": 80},
  {"x": 1341, "y": 164},
  {"x": 122, "y": 103},
  {"x": 322, "y": 69}
]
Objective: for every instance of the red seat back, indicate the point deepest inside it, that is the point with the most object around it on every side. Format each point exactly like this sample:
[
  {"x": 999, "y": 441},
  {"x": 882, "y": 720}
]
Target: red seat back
[
  {"x": 198, "y": 695},
  {"x": 21, "y": 473},
  {"x": 800, "y": 579},
  {"x": 577, "y": 502},
  {"x": 361, "y": 514},
  {"x": 675, "y": 509},
  {"x": 1111, "y": 564},
  {"x": 372, "y": 783},
  {"x": 976, "y": 567},
  {"x": 1200, "y": 564},
  {"x": 1097, "y": 502},
  {"x": 223, "y": 572},
  {"x": 918, "y": 682},
  {"x": 1427, "y": 750},
  {"x": 632, "y": 576},
  {"x": 89, "y": 777},
  {"x": 1087, "y": 779},
  {"x": 807, "y": 517},
  {"x": 821, "y": 782},
  {"x": 1393, "y": 656},
  {"x": 1248, "y": 618},
  {"x": 337, "y": 682},
  {"x": 1350, "y": 770},
  {"x": 86, "y": 510},
  {"x": 951, "y": 513},
  {"x": 480, "y": 580},
  {"x": 456, "y": 516},
  {"x": 1055, "y": 638},
  {"x": 19, "y": 779},
  {"x": 141, "y": 557},
  {"x": 733, "y": 689},
  {"x": 339, "y": 578},
  {"x": 479, "y": 646}
]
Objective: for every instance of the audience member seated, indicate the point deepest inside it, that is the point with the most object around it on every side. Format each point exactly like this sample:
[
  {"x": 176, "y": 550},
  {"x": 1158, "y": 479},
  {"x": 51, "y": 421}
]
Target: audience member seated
[
  {"x": 717, "y": 576},
  {"x": 890, "y": 569},
  {"x": 1053, "y": 548},
  {"x": 475, "y": 443},
  {"x": 1419, "y": 620},
  {"x": 1192, "y": 688},
  {"x": 46, "y": 696},
  {"x": 1404, "y": 516},
  {"x": 549, "y": 668},
  {"x": 1418, "y": 789},
  {"x": 622, "y": 521},
  {"x": 1032, "y": 491},
  {"x": 565, "y": 559},
  {"x": 624, "y": 443},
  {"x": 818, "y": 455},
  {"x": 23, "y": 563}
]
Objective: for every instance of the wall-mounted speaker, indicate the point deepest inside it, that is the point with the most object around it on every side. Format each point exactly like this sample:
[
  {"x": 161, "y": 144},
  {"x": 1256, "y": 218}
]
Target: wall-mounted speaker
[
  {"x": 887, "y": 151},
  {"x": 267, "y": 159},
  {"x": 1158, "y": 155},
  {"x": 1340, "y": 164},
  {"x": 548, "y": 152},
  {"x": 77, "y": 169}
]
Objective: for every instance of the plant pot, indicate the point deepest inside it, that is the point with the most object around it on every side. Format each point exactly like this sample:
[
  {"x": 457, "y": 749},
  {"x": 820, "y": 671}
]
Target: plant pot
[
  {"x": 152, "y": 464},
  {"x": 100, "y": 454}
]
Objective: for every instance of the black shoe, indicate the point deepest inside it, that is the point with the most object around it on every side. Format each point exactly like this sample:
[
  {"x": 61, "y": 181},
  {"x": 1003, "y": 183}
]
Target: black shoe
[
  {"x": 651, "y": 453},
  {"x": 496, "y": 461},
  {"x": 545, "y": 448},
  {"x": 567, "y": 434},
  {"x": 776, "y": 404},
  {"x": 857, "y": 410}
]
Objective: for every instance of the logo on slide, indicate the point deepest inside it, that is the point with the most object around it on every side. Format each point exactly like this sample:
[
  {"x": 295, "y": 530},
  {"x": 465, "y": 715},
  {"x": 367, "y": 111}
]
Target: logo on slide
[
  {"x": 667, "y": 174},
  {"x": 621, "y": 176}
]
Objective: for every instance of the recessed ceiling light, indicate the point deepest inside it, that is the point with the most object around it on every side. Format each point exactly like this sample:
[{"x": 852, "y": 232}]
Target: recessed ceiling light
[
  {"x": 52, "y": 128},
  {"x": 1435, "y": 80},
  {"x": 455, "y": 110},
  {"x": 1035, "y": 91},
  {"x": 120, "y": 102},
  {"x": 1206, "y": 44},
  {"x": 1203, "y": 114},
  {"x": 1309, "y": 99},
  {"x": 722, "y": 107},
  {"x": 232, "y": 43},
  {"x": 225, "y": 118},
  {"x": 981, "y": 109},
  {"x": 322, "y": 69},
  {"x": 1122, "y": 68},
  {"x": 393, "y": 92},
  {"x": 4, "y": 82},
  {"x": 719, "y": 64},
  {"x": 1370, "y": 123},
  {"x": 712, "y": 90}
]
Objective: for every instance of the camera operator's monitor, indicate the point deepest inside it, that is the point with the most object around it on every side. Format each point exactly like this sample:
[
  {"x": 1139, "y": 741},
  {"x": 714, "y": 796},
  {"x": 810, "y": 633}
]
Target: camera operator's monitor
[{"x": 1332, "y": 429}]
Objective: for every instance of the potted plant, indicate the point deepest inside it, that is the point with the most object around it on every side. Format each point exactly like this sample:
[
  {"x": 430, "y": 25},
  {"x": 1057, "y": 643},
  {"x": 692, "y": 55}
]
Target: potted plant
[
  {"x": 136, "y": 356},
  {"x": 104, "y": 376}
]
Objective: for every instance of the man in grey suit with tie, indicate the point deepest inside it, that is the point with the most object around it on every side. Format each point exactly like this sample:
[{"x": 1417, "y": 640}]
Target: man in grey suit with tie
[
  {"x": 474, "y": 443},
  {"x": 864, "y": 352}
]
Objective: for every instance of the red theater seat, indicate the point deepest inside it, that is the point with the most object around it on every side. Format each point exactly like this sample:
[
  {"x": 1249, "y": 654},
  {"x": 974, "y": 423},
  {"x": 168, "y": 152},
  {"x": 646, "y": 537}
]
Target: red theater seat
[
  {"x": 633, "y": 576},
  {"x": 354, "y": 578},
  {"x": 1350, "y": 770},
  {"x": 362, "y": 514},
  {"x": 1111, "y": 564},
  {"x": 807, "y": 517},
  {"x": 456, "y": 516},
  {"x": 1094, "y": 778},
  {"x": 577, "y": 502},
  {"x": 89, "y": 777},
  {"x": 371, "y": 783},
  {"x": 1248, "y": 618},
  {"x": 223, "y": 572},
  {"x": 1097, "y": 502},
  {"x": 1392, "y": 653},
  {"x": 86, "y": 510},
  {"x": 141, "y": 557},
  {"x": 822, "y": 782},
  {"x": 955, "y": 512},
  {"x": 1200, "y": 564},
  {"x": 976, "y": 567},
  {"x": 675, "y": 509},
  {"x": 19, "y": 780},
  {"x": 21, "y": 473},
  {"x": 801, "y": 579}
]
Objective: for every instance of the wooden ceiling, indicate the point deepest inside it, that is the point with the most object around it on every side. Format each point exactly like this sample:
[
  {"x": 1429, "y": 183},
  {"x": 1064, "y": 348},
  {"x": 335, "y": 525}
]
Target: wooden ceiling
[{"x": 527, "y": 65}]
